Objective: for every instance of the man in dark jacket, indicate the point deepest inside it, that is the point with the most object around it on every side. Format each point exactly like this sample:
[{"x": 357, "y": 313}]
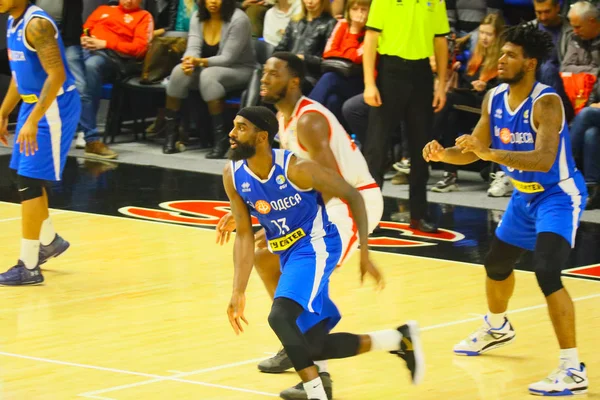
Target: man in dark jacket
[{"x": 549, "y": 20}]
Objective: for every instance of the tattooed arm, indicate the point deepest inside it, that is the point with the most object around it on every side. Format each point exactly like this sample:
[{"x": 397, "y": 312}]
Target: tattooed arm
[
  {"x": 548, "y": 117},
  {"x": 41, "y": 34}
]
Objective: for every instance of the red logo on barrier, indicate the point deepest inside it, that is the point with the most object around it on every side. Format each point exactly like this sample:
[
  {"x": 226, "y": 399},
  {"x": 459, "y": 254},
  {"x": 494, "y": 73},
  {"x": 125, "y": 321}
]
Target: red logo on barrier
[{"x": 204, "y": 213}]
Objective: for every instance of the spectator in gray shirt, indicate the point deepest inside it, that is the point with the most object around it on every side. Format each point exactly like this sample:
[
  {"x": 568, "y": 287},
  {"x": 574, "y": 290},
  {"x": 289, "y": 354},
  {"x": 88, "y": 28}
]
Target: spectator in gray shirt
[
  {"x": 583, "y": 51},
  {"x": 219, "y": 59}
]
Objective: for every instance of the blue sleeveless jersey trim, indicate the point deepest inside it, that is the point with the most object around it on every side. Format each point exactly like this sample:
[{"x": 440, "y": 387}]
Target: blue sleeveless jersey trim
[
  {"x": 514, "y": 130},
  {"x": 24, "y": 61},
  {"x": 291, "y": 216}
]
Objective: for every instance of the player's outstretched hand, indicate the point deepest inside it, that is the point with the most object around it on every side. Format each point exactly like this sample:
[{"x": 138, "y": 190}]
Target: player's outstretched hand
[
  {"x": 4, "y": 130},
  {"x": 368, "y": 268},
  {"x": 28, "y": 139},
  {"x": 225, "y": 226},
  {"x": 235, "y": 312},
  {"x": 433, "y": 151}
]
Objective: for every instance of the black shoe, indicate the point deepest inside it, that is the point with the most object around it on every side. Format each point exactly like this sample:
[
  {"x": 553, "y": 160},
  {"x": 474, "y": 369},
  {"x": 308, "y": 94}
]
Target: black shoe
[
  {"x": 298, "y": 393},
  {"x": 411, "y": 351},
  {"x": 221, "y": 138},
  {"x": 593, "y": 201},
  {"x": 423, "y": 225},
  {"x": 277, "y": 364},
  {"x": 171, "y": 133}
]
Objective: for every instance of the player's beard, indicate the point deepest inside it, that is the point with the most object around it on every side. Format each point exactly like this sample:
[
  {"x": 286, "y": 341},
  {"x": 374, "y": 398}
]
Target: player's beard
[
  {"x": 275, "y": 98},
  {"x": 242, "y": 151},
  {"x": 515, "y": 79}
]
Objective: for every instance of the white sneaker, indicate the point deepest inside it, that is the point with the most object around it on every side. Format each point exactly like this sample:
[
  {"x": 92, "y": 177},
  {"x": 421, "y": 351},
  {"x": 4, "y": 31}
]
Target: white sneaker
[
  {"x": 485, "y": 339},
  {"x": 501, "y": 185},
  {"x": 562, "y": 381},
  {"x": 80, "y": 141}
]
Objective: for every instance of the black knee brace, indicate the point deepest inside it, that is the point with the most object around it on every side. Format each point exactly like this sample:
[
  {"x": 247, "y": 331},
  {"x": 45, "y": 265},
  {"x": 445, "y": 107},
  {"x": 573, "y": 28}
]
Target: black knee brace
[
  {"x": 29, "y": 188},
  {"x": 551, "y": 256},
  {"x": 500, "y": 261},
  {"x": 282, "y": 320}
]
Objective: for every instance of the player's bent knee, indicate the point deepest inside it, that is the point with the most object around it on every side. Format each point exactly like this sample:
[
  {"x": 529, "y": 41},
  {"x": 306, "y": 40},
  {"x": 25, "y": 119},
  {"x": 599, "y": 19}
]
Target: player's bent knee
[
  {"x": 282, "y": 320},
  {"x": 549, "y": 280},
  {"x": 29, "y": 188},
  {"x": 497, "y": 269},
  {"x": 550, "y": 258}
]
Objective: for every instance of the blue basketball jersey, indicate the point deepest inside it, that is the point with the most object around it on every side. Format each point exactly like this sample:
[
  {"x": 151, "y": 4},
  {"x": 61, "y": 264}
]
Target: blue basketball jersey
[
  {"x": 25, "y": 64},
  {"x": 290, "y": 215},
  {"x": 514, "y": 130}
]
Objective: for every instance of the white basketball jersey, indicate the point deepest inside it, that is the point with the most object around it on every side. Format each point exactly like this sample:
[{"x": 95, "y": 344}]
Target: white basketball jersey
[{"x": 350, "y": 162}]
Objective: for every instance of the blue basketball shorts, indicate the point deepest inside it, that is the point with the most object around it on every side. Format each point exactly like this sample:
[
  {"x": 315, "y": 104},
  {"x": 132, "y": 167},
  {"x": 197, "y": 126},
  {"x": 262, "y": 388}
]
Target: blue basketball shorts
[
  {"x": 305, "y": 272},
  {"x": 556, "y": 210},
  {"x": 55, "y": 135}
]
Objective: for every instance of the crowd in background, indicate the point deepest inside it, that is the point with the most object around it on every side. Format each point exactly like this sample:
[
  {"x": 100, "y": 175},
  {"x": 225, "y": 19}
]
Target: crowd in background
[{"x": 221, "y": 59}]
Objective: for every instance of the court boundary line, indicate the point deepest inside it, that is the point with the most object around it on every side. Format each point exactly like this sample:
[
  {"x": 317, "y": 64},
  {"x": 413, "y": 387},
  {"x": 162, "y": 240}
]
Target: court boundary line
[
  {"x": 124, "y": 217},
  {"x": 93, "y": 394},
  {"x": 175, "y": 378},
  {"x": 158, "y": 378},
  {"x": 52, "y": 213}
]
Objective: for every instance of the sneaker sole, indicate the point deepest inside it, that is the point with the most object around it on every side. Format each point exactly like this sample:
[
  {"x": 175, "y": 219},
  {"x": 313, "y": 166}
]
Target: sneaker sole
[
  {"x": 415, "y": 337},
  {"x": 56, "y": 254},
  {"x": 566, "y": 392},
  {"x": 477, "y": 353},
  {"x": 404, "y": 170},
  {"x": 451, "y": 188},
  {"x": 94, "y": 155},
  {"x": 274, "y": 370},
  {"x": 22, "y": 284},
  {"x": 504, "y": 195}
]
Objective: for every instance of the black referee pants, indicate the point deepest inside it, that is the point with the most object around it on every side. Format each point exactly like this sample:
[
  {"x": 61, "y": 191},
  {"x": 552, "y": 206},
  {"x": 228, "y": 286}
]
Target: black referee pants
[{"x": 406, "y": 89}]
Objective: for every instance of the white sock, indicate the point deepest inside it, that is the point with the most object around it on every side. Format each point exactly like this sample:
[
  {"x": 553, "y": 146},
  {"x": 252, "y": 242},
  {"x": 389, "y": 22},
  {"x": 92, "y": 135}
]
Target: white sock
[
  {"x": 570, "y": 356},
  {"x": 315, "y": 390},
  {"x": 47, "y": 234},
  {"x": 30, "y": 252},
  {"x": 322, "y": 365},
  {"x": 388, "y": 340},
  {"x": 495, "y": 320}
]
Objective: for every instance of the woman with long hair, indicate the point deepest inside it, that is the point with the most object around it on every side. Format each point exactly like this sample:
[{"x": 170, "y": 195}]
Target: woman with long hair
[
  {"x": 345, "y": 43},
  {"x": 307, "y": 34},
  {"x": 479, "y": 76},
  {"x": 219, "y": 59}
]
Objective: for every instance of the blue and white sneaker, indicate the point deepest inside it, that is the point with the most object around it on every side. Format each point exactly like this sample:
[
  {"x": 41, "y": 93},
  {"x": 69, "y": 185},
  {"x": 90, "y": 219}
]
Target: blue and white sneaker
[
  {"x": 19, "y": 275},
  {"x": 485, "y": 339},
  {"x": 562, "y": 381},
  {"x": 54, "y": 249}
]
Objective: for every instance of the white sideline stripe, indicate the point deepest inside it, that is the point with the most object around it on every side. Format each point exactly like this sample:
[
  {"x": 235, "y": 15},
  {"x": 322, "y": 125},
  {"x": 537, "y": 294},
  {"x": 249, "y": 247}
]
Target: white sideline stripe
[
  {"x": 182, "y": 375},
  {"x": 158, "y": 378}
]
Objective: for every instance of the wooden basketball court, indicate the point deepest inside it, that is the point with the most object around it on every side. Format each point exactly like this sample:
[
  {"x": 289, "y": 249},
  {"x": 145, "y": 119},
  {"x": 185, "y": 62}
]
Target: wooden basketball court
[{"x": 136, "y": 310}]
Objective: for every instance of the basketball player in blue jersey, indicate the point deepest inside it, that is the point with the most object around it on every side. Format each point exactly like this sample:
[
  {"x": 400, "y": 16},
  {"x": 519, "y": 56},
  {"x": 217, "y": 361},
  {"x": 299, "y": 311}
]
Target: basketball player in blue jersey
[
  {"x": 285, "y": 194},
  {"x": 524, "y": 123},
  {"x": 47, "y": 121}
]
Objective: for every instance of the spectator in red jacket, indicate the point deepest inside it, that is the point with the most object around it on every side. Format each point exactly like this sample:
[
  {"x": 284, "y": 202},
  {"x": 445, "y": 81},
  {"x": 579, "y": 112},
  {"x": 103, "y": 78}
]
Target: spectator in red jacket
[
  {"x": 113, "y": 37},
  {"x": 346, "y": 45}
]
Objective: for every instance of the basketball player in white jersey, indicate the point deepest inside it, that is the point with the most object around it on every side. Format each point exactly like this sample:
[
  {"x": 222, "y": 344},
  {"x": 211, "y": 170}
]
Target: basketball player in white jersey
[{"x": 311, "y": 131}]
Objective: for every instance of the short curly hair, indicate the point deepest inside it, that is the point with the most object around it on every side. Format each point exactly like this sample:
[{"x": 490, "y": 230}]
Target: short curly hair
[{"x": 535, "y": 42}]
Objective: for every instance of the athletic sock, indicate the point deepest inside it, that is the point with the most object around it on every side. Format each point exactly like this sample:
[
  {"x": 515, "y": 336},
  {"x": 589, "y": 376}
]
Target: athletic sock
[
  {"x": 495, "y": 320},
  {"x": 571, "y": 357},
  {"x": 387, "y": 340},
  {"x": 315, "y": 390},
  {"x": 47, "y": 234},
  {"x": 30, "y": 252},
  {"x": 322, "y": 366}
]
